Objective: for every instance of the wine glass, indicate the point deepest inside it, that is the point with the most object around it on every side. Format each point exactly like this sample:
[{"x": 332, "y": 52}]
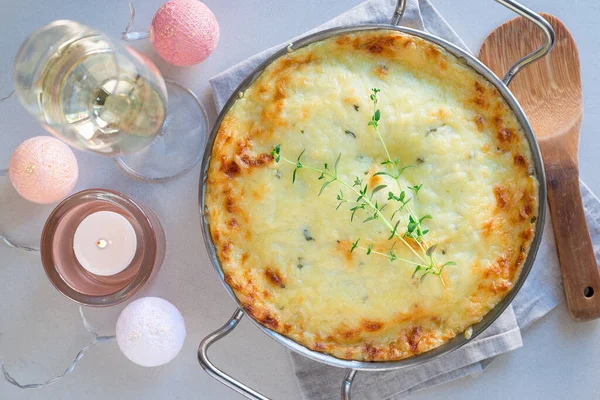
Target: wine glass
[{"x": 100, "y": 95}]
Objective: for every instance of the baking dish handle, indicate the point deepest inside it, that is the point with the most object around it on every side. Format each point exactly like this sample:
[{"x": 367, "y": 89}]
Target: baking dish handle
[
  {"x": 546, "y": 28},
  {"x": 233, "y": 383},
  {"x": 398, "y": 12},
  {"x": 347, "y": 384},
  {"x": 215, "y": 372},
  {"x": 549, "y": 36}
]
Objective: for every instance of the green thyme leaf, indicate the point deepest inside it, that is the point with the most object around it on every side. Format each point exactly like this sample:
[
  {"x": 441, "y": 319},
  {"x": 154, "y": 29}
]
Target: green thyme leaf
[
  {"x": 377, "y": 189},
  {"x": 324, "y": 186},
  {"x": 301, "y": 154},
  {"x": 371, "y": 217},
  {"x": 353, "y": 212},
  {"x": 424, "y": 275},
  {"x": 384, "y": 173},
  {"x": 415, "y": 188},
  {"x": 425, "y": 217},
  {"x": 417, "y": 269},
  {"x": 276, "y": 153},
  {"x": 449, "y": 263},
  {"x": 335, "y": 166},
  {"x": 394, "y": 230},
  {"x": 411, "y": 227},
  {"x": 407, "y": 167}
]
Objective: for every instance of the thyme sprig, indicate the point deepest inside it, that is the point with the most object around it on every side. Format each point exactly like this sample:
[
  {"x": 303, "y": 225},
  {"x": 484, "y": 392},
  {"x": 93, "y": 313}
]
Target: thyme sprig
[
  {"x": 412, "y": 228},
  {"x": 364, "y": 201},
  {"x": 375, "y": 120},
  {"x": 434, "y": 271}
]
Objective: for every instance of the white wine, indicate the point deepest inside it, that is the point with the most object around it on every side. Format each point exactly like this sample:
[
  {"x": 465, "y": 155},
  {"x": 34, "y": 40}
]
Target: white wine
[
  {"x": 99, "y": 97},
  {"x": 108, "y": 106}
]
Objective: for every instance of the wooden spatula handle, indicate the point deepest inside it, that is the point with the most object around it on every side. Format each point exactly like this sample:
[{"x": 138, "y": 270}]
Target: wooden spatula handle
[{"x": 581, "y": 278}]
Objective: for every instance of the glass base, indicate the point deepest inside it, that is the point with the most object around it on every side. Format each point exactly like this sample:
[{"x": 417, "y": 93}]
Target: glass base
[{"x": 179, "y": 145}]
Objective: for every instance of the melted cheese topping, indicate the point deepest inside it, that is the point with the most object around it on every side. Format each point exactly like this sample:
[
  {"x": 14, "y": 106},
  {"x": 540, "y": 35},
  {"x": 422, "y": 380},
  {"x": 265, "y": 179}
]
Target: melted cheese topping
[{"x": 285, "y": 250}]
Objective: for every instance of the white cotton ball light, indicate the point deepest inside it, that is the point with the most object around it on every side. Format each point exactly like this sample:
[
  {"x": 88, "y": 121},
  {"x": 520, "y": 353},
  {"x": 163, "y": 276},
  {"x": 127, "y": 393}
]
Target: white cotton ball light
[{"x": 150, "y": 331}]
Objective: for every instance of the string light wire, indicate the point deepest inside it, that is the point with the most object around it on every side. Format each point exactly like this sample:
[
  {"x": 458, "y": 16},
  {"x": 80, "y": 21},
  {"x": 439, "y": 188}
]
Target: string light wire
[{"x": 96, "y": 339}]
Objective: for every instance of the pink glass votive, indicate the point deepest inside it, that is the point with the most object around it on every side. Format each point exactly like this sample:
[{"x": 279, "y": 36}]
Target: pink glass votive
[{"x": 76, "y": 282}]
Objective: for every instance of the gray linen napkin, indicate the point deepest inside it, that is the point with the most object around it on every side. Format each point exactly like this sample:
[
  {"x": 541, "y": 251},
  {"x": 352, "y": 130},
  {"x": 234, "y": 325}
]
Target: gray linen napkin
[{"x": 540, "y": 294}]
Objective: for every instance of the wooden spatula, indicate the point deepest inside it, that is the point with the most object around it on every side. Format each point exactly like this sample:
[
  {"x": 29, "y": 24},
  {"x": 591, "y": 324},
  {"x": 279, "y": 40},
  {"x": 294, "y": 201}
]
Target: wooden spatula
[{"x": 550, "y": 93}]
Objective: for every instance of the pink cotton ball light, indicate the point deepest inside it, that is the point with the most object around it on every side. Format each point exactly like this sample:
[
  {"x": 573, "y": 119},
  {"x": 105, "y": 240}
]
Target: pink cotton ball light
[
  {"x": 43, "y": 169},
  {"x": 184, "y": 32}
]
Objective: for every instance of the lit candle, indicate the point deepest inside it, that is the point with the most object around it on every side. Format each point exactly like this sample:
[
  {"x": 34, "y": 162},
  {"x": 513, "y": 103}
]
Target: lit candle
[
  {"x": 105, "y": 243},
  {"x": 101, "y": 258}
]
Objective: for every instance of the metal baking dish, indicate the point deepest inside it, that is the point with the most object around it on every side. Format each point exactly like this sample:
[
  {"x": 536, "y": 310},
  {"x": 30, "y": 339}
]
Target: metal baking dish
[{"x": 458, "y": 341}]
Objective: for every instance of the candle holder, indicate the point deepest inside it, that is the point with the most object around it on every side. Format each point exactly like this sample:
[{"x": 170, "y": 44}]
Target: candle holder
[{"x": 65, "y": 269}]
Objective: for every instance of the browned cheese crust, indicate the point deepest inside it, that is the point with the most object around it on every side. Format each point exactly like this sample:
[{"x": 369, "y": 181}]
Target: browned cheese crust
[{"x": 285, "y": 251}]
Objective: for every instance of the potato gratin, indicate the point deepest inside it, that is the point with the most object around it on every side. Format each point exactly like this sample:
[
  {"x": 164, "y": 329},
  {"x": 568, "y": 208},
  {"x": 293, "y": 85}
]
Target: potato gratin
[{"x": 286, "y": 251}]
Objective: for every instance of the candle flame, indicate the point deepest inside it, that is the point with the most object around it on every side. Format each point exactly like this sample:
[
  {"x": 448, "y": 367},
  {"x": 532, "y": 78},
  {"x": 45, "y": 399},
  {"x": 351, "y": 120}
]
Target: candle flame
[{"x": 102, "y": 243}]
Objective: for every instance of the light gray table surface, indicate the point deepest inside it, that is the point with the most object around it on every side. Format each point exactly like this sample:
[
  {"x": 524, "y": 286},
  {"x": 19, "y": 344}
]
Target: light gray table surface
[{"x": 40, "y": 331}]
